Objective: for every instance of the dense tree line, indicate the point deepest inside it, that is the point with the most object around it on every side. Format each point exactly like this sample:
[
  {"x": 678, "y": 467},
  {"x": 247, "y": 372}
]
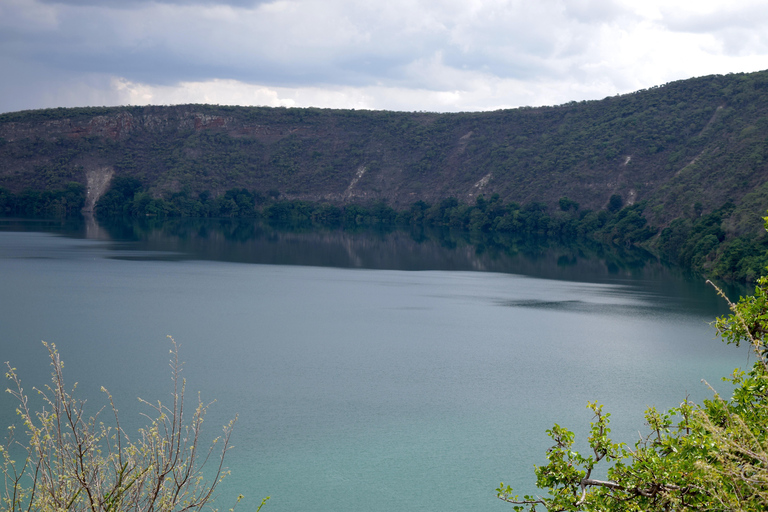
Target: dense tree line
[
  {"x": 699, "y": 242},
  {"x": 43, "y": 203},
  {"x": 623, "y": 226}
]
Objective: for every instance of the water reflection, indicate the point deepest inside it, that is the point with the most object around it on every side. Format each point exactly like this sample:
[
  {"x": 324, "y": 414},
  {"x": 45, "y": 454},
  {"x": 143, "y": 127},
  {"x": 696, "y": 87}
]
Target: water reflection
[{"x": 251, "y": 241}]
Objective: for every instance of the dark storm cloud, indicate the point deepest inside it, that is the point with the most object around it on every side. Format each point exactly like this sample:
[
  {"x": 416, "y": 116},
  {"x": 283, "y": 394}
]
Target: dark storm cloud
[{"x": 166, "y": 44}]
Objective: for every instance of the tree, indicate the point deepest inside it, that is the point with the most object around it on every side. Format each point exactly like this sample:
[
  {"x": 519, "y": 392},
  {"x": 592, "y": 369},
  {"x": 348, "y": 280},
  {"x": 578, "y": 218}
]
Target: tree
[
  {"x": 615, "y": 203},
  {"x": 75, "y": 462},
  {"x": 712, "y": 456},
  {"x": 567, "y": 204}
]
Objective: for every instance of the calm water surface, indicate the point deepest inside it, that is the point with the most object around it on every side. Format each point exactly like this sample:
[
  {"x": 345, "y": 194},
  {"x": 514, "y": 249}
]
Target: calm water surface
[{"x": 359, "y": 385}]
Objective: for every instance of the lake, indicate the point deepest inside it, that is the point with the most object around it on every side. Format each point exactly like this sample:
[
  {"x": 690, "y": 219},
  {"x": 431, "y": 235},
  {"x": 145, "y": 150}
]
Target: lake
[{"x": 368, "y": 371}]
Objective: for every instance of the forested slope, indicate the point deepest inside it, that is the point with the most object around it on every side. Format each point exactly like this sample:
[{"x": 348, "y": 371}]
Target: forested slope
[
  {"x": 686, "y": 148},
  {"x": 681, "y": 169}
]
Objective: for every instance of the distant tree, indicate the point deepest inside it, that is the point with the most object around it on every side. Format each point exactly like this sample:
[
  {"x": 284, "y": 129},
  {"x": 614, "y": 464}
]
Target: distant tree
[
  {"x": 567, "y": 204},
  {"x": 615, "y": 203},
  {"x": 118, "y": 200}
]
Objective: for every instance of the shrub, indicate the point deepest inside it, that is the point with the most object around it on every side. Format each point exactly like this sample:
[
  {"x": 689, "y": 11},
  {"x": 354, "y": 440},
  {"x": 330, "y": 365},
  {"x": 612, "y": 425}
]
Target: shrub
[
  {"x": 711, "y": 457},
  {"x": 72, "y": 461}
]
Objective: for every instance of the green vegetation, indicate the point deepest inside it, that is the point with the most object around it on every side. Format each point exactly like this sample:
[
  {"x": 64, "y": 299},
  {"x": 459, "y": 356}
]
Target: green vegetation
[
  {"x": 70, "y": 461},
  {"x": 127, "y": 197},
  {"x": 687, "y": 143},
  {"x": 701, "y": 244},
  {"x": 704, "y": 245},
  {"x": 46, "y": 203},
  {"x": 677, "y": 169},
  {"x": 712, "y": 456}
]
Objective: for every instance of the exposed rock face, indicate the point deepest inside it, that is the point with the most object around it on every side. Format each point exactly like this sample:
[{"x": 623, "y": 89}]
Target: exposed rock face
[
  {"x": 97, "y": 182},
  {"x": 116, "y": 126},
  {"x": 202, "y": 121}
]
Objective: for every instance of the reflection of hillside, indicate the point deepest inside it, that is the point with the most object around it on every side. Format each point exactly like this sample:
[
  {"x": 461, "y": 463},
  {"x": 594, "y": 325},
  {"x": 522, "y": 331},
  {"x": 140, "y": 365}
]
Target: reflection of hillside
[{"x": 249, "y": 241}]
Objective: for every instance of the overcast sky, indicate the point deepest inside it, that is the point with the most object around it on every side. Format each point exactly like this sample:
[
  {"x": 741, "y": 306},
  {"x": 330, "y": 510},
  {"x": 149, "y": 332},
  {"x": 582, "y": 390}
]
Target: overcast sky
[{"x": 434, "y": 55}]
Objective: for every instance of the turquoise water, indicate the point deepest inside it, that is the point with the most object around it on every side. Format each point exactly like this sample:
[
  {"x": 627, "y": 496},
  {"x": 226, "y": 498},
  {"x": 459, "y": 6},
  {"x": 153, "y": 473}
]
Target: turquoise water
[{"x": 360, "y": 388}]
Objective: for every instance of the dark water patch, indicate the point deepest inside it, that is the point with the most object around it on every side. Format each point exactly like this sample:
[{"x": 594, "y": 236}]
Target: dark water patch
[
  {"x": 150, "y": 256},
  {"x": 580, "y": 306}
]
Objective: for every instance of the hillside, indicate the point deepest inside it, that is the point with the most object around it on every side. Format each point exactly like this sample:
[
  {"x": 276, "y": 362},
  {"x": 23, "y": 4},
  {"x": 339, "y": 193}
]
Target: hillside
[{"x": 685, "y": 148}]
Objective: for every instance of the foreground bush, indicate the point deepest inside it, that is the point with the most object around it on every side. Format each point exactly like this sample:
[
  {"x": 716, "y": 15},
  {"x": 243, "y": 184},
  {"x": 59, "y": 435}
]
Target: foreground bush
[
  {"x": 76, "y": 462},
  {"x": 712, "y": 456}
]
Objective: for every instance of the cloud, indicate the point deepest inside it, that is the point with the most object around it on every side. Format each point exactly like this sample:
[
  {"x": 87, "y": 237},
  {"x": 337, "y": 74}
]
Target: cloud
[
  {"x": 740, "y": 29},
  {"x": 590, "y": 11},
  {"x": 476, "y": 93},
  {"x": 404, "y": 54},
  {"x": 130, "y": 4}
]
